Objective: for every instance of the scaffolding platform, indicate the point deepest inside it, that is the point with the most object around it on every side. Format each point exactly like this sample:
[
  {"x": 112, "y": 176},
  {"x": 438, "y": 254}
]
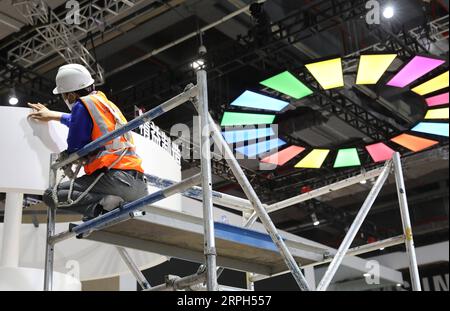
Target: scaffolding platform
[{"x": 180, "y": 235}]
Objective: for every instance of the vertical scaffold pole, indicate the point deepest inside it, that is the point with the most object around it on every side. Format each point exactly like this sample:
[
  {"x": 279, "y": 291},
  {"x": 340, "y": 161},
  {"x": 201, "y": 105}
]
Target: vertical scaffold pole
[
  {"x": 49, "y": 249},
  {"x": 205, "y": 158},
  {"x": 258, "y": 207},
  {"x": 248, "y": 275},
  {"x": 407, "y": 231}
]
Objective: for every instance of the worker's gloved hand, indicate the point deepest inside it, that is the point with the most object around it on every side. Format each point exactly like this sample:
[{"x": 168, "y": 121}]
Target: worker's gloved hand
[
  {"x": 62, "y": 156},
  {"x": 71, "y": 170},
  {"x": 68, "y": 171},
  {"x": 67, "y": 168}
]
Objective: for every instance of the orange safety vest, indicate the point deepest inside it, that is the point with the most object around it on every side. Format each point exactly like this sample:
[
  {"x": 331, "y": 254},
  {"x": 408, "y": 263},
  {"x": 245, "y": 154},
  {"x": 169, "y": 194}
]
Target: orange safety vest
[{"x": 106, "y": 117}]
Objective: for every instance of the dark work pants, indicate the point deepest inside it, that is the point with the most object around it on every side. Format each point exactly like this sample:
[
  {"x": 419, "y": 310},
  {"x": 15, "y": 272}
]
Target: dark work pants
[{"x": 114, "y": 182}]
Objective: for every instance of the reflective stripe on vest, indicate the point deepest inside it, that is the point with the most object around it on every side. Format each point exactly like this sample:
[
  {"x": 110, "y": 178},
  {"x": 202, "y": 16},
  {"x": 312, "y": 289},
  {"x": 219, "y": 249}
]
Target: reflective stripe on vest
[
  {"x": 117, "y": 143},
  {"x": 106, "y": 117}
]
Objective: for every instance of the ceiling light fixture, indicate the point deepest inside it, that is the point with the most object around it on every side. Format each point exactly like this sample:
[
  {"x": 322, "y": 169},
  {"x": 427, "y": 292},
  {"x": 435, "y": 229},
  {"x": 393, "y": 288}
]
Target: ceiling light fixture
[
  {"x": 198, "y": 64},
  {"x": 280, "y": 158},
  {"x": 314, "y": 159},
  {"x": 380, "y": 152},
  {"x": 241, "y": 118},
  {"x": 388, "y": 12},
  {"x": 438, "y": 113},
  {"x": 251, "y": 99},
  {"x": 13, "y": 100},
  {"x": 260, "y": 147},
  {"x": 440, "y": 129},
  {"x": 315, "y": 220},
  {"x": 288, "y": 84},
  {"x": 435, "y": 84},
  {"x": 438, "y": 100},
  {"x": 413, "y": 143},
  {"x": 363, "y": 172},
  {"x": 247, "y": 134},
  {"x": 328, "y": 73},
  {"x": 347, "y": 157},
  {"x": 417, "y": 67},
  {"x": 372, "y": 67}
]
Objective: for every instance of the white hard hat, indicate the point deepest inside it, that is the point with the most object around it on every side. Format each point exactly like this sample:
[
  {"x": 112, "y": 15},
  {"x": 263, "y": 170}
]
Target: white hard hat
[{"x": 72, "y": 77}]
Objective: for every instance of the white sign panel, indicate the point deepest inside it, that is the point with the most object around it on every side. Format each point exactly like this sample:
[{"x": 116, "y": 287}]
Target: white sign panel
[{"x": 26, "y": 146}]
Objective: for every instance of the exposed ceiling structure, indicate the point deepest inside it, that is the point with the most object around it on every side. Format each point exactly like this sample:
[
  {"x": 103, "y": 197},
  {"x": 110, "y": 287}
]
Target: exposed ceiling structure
[{"x": 123, "y": 42}]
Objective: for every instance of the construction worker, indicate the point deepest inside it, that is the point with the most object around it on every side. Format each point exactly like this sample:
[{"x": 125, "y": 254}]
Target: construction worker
[{"x": 117, "y": 164}]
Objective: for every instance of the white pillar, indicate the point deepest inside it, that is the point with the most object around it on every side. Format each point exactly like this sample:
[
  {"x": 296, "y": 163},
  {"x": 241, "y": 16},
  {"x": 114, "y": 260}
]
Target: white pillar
[{"x": 11, "y": 230}]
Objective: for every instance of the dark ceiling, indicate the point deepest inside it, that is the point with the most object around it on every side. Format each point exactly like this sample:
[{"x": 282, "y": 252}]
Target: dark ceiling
[{"x": 280, "y": 35}]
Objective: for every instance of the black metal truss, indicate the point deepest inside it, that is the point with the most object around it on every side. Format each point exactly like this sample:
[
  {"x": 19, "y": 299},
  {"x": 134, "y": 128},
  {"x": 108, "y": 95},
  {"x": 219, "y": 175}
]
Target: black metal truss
[
  {"x": 399, "y": 41},
  {"x": 298, "y": 26},
  {"x": 248, "y": 51},
  {"x": 349, "y": 111},
  {"x": 26, "y": 81}
]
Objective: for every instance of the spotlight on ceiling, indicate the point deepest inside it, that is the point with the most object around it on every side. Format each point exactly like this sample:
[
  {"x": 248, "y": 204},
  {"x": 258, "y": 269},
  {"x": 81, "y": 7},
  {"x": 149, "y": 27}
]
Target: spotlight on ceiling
[
  {"x": 315, "y": 220},
  {"x": 367, "y": 275},
  {"x": 13, "y": 100},
  {"x": 388, "y": 12},
  {"x": 197, "y": 64}
]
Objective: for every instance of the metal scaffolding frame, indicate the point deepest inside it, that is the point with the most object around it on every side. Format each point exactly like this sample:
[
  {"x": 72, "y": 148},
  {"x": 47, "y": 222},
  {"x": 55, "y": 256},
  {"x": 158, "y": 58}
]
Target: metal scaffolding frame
[
  {"x": 26, "y": 81},
  {"x": 252, "y": 208}
]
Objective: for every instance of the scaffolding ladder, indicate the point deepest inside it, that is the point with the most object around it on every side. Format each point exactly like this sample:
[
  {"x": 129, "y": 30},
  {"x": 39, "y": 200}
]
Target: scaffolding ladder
[{"x": 111, "y": 227}]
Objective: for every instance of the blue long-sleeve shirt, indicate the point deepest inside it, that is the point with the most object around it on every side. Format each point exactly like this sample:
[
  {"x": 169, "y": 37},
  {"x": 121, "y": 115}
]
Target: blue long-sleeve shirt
[{"x": 80, "y": 127}]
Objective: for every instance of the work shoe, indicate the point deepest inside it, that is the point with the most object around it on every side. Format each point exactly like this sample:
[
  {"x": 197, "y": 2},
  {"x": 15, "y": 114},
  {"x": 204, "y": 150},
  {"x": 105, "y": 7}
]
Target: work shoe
[
  {"x": 92, "y": 212},
  {"x": 98, "y": 211}
]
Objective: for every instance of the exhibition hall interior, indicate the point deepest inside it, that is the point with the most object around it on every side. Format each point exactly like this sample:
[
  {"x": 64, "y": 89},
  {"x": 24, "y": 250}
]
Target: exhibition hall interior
[{"x": 224, "y": 145}]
